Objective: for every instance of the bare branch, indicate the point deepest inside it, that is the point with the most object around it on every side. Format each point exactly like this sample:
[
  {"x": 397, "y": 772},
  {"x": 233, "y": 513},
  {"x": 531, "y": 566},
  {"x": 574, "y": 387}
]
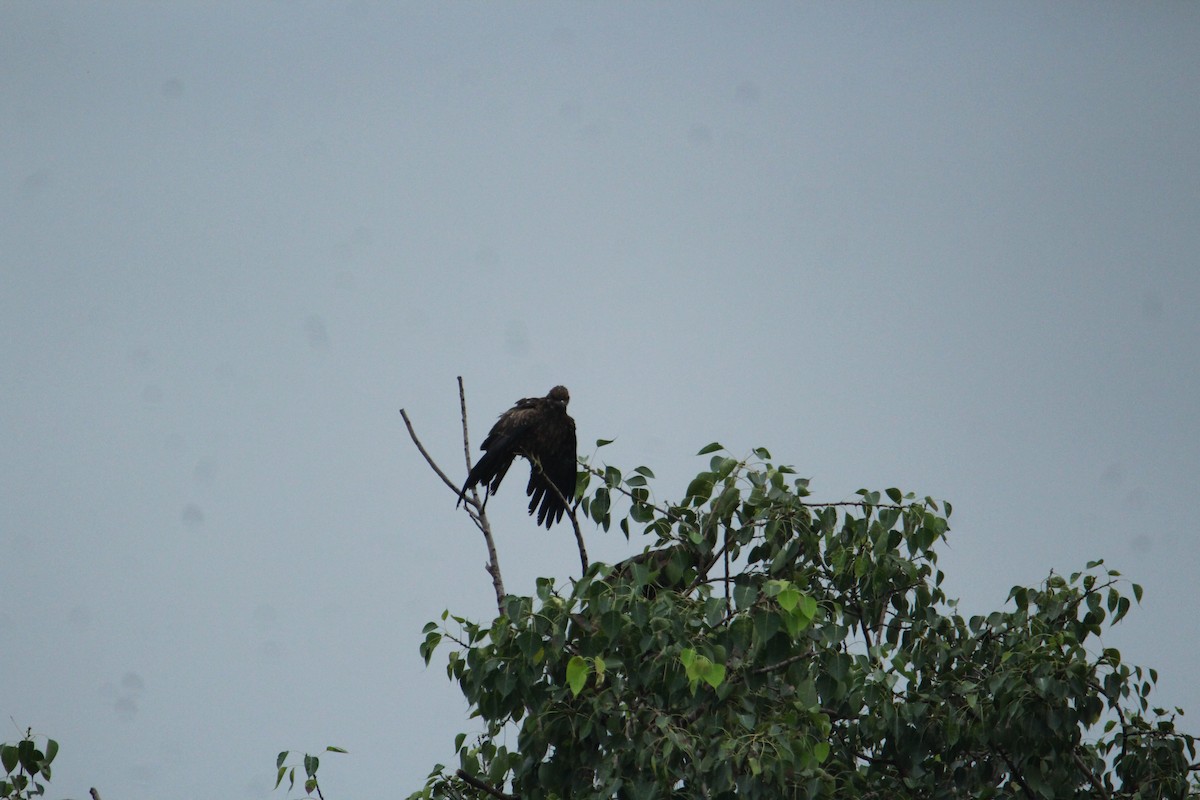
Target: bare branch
[
  {"x": 474, "y": 507},
  {"x": 480, "y": 514},
  {"x": 462, "y": 405},
  {"x": 583, "y": 556},
  {"x": 493, "y": 564},
  {"x": 428, "y": 458}
]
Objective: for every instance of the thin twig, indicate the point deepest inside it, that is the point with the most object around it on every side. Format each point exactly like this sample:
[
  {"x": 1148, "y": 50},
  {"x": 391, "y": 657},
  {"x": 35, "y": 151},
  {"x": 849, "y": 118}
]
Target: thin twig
[
  {"x": 583, "y": 556},
  {"x": 478, "y": 515},
  {"x": 787, "y": 662},
  {"x": 469, "y": 779},
  {"x": 462, "y": 405},
  {"x": 428, "y": 458},
  {"x": 95, "y": 795}
]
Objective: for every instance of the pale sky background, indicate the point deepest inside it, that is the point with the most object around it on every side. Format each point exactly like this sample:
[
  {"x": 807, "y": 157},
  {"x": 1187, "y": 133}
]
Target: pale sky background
[{"x": 947, "y": 247}]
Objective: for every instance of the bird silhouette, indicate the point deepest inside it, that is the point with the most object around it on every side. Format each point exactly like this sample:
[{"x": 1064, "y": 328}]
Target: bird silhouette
[{"x": 539, "y": 430}]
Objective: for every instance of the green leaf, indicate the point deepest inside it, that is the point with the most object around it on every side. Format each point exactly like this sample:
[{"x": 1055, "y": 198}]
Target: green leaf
[
  {"x": 714, "y": 674},
  {"x": 721, "y": 466},
  {"x": 600, "y": 505},
  {"x": 612, "y": 476},
  {"x": 710, "y": 448},
  {"x": 788, "y": 597},
  {"x": 700, "y": 488},
  {"x": 432, "y": 640},
  {"x": 577, "y": 672},
  {"x": 279, "y": 777},
  {"x": 332, "y": 749},
  {"x": 726, "y": 502},
  {"x": 895, "y": 495},
  {"x": 282, "y": 758},
  {"x": 51, "y": 752},
  {"x": 27, "y": 755},
  {"x": 808, "y": 607},
  {"x": 744, "y": 595},
  {"x": 1122, "y": 609},
  {"x": 763, "y": 453},
  {"x": 310, "y": 765},
  {"x": 8, "y": 757},
  {"x": 603, "y": 442}
]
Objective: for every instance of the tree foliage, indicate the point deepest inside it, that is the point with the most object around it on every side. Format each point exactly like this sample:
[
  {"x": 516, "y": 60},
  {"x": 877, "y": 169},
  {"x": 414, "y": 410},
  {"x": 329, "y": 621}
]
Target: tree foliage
[
  {"x": 26, "y": 765},
  {"x": 763, "y": 645}
]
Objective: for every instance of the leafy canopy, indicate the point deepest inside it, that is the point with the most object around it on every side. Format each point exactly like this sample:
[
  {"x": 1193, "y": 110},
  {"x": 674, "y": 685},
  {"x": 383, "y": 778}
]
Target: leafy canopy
[
  {"x": 26, "y": 765},
  {"x": 767, "y": 646}
]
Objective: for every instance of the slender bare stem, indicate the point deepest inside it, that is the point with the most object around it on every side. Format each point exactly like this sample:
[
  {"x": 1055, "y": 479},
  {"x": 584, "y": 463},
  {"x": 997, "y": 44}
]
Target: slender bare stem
[
  {"x": 462, "y": 405},
  {"x": 473, "y": 505},
  {"x": 428, "y": 458},
  {"x": 583, "y": 556},
  {"x": 479, "y": 515}
]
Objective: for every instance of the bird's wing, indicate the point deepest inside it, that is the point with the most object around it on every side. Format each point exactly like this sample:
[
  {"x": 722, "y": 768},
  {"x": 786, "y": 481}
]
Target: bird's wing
[
  {"x": 553, "y": 443},
  {"x": 503, "y": 442}
]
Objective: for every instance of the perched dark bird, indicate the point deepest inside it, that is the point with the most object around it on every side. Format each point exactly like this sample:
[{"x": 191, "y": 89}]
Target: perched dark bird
[{"x": 538, "y": 429}]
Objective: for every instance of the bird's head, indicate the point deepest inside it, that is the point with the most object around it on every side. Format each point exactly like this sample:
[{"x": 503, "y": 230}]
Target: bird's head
[{"x": 559, "y": 394}]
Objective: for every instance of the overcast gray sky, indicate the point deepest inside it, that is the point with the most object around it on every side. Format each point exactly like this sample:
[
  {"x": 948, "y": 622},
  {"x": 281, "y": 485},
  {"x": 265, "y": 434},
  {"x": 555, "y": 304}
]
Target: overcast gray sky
[{"x": 946, "y": 247}]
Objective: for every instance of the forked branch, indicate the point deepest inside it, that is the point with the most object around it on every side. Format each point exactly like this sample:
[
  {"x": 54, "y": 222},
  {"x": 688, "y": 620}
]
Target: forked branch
[{"x": 474, "y": 506}]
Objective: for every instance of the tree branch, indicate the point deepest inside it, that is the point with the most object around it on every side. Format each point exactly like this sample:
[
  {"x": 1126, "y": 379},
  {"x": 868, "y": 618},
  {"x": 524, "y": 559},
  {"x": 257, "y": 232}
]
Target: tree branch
[
  {"x": 473, "y": 505},
  {"x": 428, "y": 458},
  {"x": 1092, "y": 779},
  {"x": 480, "y": 516},
  {"x": 1015, "y": 774},
  {"x": 583, "y": 556},
  {"x": 470, "y": 780},
  {"x": 787, "y": 662}
]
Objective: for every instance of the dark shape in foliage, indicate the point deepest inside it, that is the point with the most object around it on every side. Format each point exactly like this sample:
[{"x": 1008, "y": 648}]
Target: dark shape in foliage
[
  {"x": 677, "y": 568},
  {"x": 539, "y": 429}
]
